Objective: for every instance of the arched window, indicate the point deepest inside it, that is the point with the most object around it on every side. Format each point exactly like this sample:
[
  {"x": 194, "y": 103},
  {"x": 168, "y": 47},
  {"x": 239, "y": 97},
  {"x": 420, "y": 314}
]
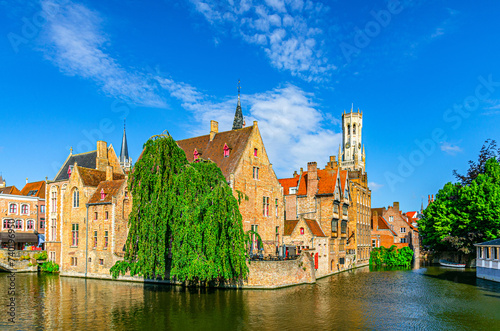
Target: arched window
[
  {"x": 13, "y": 208},
  {"x": 24, "y": 209},
  {"x": 348, "y": 128},
  {"x": 354, "y": 129},
  {"x": 76, "y": 198},
  {"x": 30, "y": 225},
  {"x": 53, "y": 201},
  {"x": 301, "y": 230},
  {"x": 103, "y": 195},
  {"x": 226, "y": 150}
]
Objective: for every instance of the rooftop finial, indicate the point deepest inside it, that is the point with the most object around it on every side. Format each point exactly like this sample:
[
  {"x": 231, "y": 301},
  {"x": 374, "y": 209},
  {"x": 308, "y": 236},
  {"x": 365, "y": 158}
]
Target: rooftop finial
[
  {"x": 352, "y": 106},
  {"x": 238, "y": 116},
  {"x": 71, "y": 150}
]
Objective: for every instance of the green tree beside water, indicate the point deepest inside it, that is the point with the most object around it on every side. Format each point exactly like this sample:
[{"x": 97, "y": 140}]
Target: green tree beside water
[{"x": 391, "y": 257}]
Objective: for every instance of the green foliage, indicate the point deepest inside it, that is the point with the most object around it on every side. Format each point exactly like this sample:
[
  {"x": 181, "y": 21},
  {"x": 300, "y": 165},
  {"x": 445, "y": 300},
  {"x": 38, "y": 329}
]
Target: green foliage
[
  {"x": 391, "y": 257},
  {"x": 463, "y": 215},
  {"x": 24, "y": 257},
  {"x": 183, "y": 213},
  {"x": 50, "y": 267},
  {"x": 41, "y": 256}
]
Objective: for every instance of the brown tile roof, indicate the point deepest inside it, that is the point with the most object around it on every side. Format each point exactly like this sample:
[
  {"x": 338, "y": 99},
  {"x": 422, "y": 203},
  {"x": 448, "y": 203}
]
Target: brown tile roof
[
  {"x": 383, "y": 225},
  {"x": 411, "y": 214},
  {"x": 111, "y": 188},
  {"x": 289, "y": 226},
  {"x": 343, "y": 179},
  {"x": 327, "y": 180},
  {"x": 35, "y": 189},
  {"x": 10, "y": 190},
  {"x": 92, "y": 177},
  {"x": 286, "y": 183},
  {"x": 213, "y": 150},
  {"x": 315, "y": 228}
]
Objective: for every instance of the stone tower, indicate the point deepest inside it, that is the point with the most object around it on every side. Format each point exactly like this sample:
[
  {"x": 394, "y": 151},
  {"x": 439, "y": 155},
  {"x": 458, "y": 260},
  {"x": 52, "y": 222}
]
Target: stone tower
[
  {"x": 125, "y": 160},
  {"x": 352, "y": 150}
]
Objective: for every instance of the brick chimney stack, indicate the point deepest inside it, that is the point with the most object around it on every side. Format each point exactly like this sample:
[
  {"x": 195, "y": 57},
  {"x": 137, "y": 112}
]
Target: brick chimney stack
[
  {"x": 102, "y": 155},
  {"x": 312, "y": 178},
  {"x": 214, "y": 129},
  {"x": 396, "y": 205},
  {"x": 109, "y": 173}
]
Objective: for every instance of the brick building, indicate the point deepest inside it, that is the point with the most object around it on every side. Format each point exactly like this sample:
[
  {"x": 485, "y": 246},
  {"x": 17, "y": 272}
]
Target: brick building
[
  {"x": 25, "y": 211},
  {"x": 241, "y": 155},
  {"x": 68, "y": 195},
  {"x": 400, "y": 225},
  {"x": 320, "y": 199}
]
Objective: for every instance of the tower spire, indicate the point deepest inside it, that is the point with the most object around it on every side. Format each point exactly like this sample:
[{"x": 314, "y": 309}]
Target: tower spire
[
  {"x": 238, "y": 116},
  {"x": 125, "y": 160}
]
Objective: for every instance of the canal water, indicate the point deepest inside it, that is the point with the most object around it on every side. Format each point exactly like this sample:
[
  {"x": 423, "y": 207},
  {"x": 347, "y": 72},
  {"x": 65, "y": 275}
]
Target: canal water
[{"x": 431, "y": 298}]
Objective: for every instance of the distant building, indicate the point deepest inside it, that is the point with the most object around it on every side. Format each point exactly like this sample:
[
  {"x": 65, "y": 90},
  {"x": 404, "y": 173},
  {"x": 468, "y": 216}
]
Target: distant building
[
  {"x": 2, "y": 182},
  {"x": 488, "y": 260}
]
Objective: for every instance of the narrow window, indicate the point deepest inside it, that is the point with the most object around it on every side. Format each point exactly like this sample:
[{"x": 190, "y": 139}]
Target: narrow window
[
  {"x": 486, "y": 252},
  {"x": 276, "y": 204},
  {"x": 74, "y": 233},
  {"x": 74, "y": 261},
  {"x": 354, "y": 130},
  {"x": 255, "y": 152},
  {"x": 53, "y": 230},
  {"x": 265, "y": 206},
  {"x": 335, "y": 225},
  {"x": 101, "y": 261},
  {"x": 255, "y": 173},
  {"x": 226, "y": 150},
  {"x": 301, "y": 230},
  {"x": 95, "y": 239},
  {"x": 30, "y": 225},
  {"x": 24, "y": 209},
  {"x": 343, "y": 227},
  {"x": 53, "y": 202},
  {"x": 196, "y": 154},
  {"x": 95, "y": 215},
  {"x": 42, "y": 209},
  {"x": 42, "y": 223},
  {"x": 103, "y": 195},
  {"x": 105, "y": 239},
  {"x": 76, "y": 198},
  {"x": 106, "y": 214},
  {"x": 19, "y": 225},
  {"x": 348, "y": 129},
  {"x": 391, "y": 218}
]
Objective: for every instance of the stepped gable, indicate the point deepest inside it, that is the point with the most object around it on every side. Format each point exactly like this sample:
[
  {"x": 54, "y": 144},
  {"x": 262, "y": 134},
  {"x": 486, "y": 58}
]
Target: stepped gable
[
  {"x": 236, "y": 140},
  {"x": 92, "y": 177},
  {"x": 86, "y": 160},
  {"x": 110, "y": 188}
]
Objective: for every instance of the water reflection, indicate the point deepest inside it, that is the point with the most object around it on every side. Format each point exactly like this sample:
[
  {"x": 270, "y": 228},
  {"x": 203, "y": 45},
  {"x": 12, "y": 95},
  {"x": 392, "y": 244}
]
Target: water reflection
[{"x": 427, "y": 298}]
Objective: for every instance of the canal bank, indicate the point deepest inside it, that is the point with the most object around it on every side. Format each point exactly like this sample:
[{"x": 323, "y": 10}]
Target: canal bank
[{"x": 429, "y": 298}]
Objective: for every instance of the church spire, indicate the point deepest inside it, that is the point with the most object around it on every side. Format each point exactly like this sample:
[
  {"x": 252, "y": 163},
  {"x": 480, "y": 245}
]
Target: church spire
[
  {"x": 238, "y": 116},
  {"x": 125, "y": 160}
]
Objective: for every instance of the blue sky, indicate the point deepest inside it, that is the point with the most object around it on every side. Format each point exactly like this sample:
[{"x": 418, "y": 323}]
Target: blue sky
[{"x": 425, "y": 74}]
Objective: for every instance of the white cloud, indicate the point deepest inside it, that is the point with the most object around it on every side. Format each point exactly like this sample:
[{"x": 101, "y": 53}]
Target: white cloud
[
  {"x": 375, "y": 186},
  {"x": 450, "y": 149},
  {"x": 74, "y": 42},
  {"x": 286, "y": 30}
]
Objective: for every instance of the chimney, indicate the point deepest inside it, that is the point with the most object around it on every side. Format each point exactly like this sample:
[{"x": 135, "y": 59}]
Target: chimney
[
  {"x": 26, "y": 180},
  {"x": 255, "y": 123},
  {"x": 295, "y": 173},
  {"x": 301, "y": 171},
  {"x": 375, "y": 214},
  {"x": 312, "y": 178},
  {"x": 102, "y": 155},
  {"x": 396, "y": 205},
  {"x": 109, "y": 173},
  {"x": 214, "y": 129}
]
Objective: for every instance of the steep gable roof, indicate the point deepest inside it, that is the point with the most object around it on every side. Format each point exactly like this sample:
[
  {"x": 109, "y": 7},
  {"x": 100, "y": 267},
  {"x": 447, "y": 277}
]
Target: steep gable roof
[
  {"x": 289, "y": 227},
  {"x": 110, "y": 188},
  {"x": 36, "y": 189},
  {"x": 213, "y": 150},
  {"x": 315, "y": 228},
  {"x": 287, "y": 183},
  {"x": 93, "y": 177},
  {"x": 10, "y": 190},
  {"x": 383, "y": 225},
  {"x": 86, "y": 160},
  {"x": 327, "y": 181}
]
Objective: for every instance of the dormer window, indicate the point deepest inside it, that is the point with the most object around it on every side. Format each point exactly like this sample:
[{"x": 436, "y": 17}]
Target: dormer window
[
  {"x": 103, "y": 195},
  {"x": 255, "y": 152},
  {"x": 196, "y": 154},
  {"x": 226, "y": 150}
]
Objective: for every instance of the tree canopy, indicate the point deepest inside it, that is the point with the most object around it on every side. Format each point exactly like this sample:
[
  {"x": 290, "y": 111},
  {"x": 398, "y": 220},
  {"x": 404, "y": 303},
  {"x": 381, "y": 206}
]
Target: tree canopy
[
  {"x": 465, "y": 213},
  {"x": 184, "y": 220}
]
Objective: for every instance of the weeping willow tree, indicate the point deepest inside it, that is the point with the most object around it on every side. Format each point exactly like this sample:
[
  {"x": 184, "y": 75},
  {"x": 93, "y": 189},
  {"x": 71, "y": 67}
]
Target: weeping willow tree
[{"x": 184, "y": 213}]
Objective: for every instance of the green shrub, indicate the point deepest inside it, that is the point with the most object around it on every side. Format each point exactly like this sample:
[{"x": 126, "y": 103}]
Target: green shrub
[
  {"x": 41, "y": 256},
  {"x": 25, "y": 257},
  {"x": 50, "y": 266},
  {"x": 391, "y": 257}
]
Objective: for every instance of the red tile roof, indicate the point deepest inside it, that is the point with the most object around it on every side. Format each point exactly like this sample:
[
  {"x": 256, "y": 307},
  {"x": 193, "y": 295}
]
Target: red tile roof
[
  {"x": 315, "y": 228},
  {"x": 343, "y": 179},
  {"x": 10, "y": 190},
  {"x": 287, "y": 183},
  {"x": 111, "y": 188},
  {"x": 35, "y": 189},
  {"x": 411, "y": 214},
  {"x": 289, "y": 226},
  {"x": 92, "y": 177},
  {"x": 383, "y": 225},
  {"x": 213, "y": 150}
]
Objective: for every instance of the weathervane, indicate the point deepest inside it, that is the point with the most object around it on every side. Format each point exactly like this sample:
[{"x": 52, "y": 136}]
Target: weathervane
[{"x": 239, "y": 87}]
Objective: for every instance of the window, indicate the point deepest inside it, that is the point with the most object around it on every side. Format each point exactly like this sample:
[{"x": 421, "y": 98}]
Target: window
[
  {"x": 76, "y": 198},
  {"x": 24, "y": 209},
  {"x": 106, "y": 214},
  {"x": 255, "y": 152},
  {"x": 126, "y": 194},
  {"x": 30, "y": 225},
  {"x": 105, "y": 239},
  {"x": 53, "y": 230},
  {"x": 265, "y": 206},
  {"x": 19, "y": 225},
  {"x": 196, "y": 155},
  {"x": 343, "y": 227},
  {"x": 494, "y": 255},
  {"x": 95, "y": 239},
  {"x": 13, "y": 208},
  {"x": 354, "y": 131},
  {"x": 74, "y": 234},
  {"x": 7, "y": 224},
  {"x": 95, "y": 216},
  {"x": 336, "y": 208},
  {"x": 348, "y": 129},
  {"x": 374, "y": 243},
  {"x": 292, "y": 190},
  {"x": 344, "y": 210},
  {"x": 53, "y": 202},
  {"x": 276, "y": 204},
  {"x": 255, "y": 241},
  {"x": 403, "y": 240},
  {"x": 103, "y": 195},
  {"x": 391, "y": 218},
  {"x": 403, "y": 230},
  {"x": 74, "y": 261},
  {"x": 226, "y": 150},
  {"x": 486, "y": 252},
  {"x": 301, "y": 230},
  {"x": 479, "y": 253},
  {"x": 335, "y": 225},
  {"x": 101, "y": 261},
  {"x": 255, "y": 173},
  {"x": 52, "y": 256},
  {"x": 342, "y": 246},
  {"x": 42, "y": 209},
  {"x": 42, "y": 223}
]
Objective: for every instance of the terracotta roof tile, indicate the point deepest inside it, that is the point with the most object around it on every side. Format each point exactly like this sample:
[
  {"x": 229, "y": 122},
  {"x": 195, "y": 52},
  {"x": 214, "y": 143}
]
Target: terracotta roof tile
[
  {"x": 10, "y": 190},
  {"x": 289, "y": 227},
  {"x": 327, "y": 181},
  {"x": 110, "y": 188},
  {"x": 92, "y": 177},
  {"x": 214, "y": 150},
  {"x": 383, "y": 225},
  {"x": 315, "y": 228},
  {"x": 287, "y": 183},
  {"x": 36, "y": 189}
]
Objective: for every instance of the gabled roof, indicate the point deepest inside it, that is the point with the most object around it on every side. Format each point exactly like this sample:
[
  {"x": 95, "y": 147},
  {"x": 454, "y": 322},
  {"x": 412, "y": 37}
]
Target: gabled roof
[
  {"x": 495, "y": 242},
  {"x": 86, "y": 160},
  {"x": 289, "y": 226},
  {"x": 383, "y": 225},
  {"x": 35, "y": 189},
  {"x": 92, "y": 177},
  {"x": 111, "y": 188},
  {"x": 327, "y": 181},
  {"x": 343, "y": 180},
  {"x": 213, "y": 150},
  {"x": 315, "y": 228},
  {"x": 10, "y": 190},
  {"x": 412, "y": 214},
  {"x": 287, "y": 183}
]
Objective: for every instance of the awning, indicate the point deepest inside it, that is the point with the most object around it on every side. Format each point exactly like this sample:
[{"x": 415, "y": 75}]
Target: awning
[{"x": 21, "y": 237}]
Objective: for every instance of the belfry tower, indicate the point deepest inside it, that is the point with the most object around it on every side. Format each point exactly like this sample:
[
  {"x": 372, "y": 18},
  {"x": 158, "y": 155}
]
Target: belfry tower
[{"x": 352, "y": 151}]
